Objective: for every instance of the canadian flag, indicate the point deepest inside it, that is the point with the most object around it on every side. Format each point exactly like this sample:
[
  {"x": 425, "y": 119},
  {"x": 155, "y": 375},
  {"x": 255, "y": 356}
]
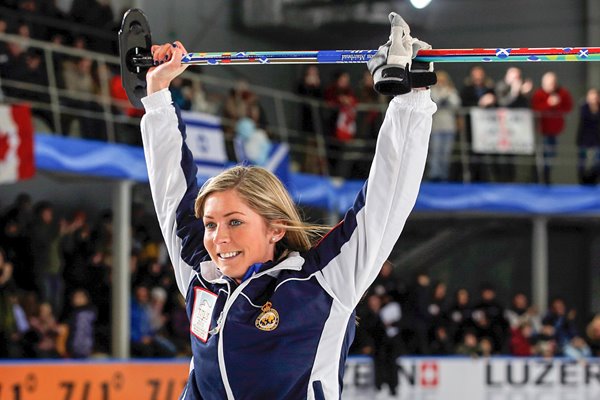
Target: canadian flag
[{"x": 16, "y": 143}]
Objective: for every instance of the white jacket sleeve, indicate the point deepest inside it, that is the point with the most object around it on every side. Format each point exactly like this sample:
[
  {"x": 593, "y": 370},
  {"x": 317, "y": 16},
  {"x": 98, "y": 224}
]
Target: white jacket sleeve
[
  {"x": 172, "y": 176},
  {"x": 351, "y": 255}
]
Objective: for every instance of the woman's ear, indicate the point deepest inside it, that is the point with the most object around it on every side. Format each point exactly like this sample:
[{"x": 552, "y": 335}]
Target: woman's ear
[{"x": 278, "y": 233}]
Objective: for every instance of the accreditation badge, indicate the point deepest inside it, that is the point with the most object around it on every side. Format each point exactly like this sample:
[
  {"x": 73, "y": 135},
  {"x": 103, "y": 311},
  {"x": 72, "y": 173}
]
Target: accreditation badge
[
  {"x": 268, "y": 319},
  {"x": 204, "y": 303}
]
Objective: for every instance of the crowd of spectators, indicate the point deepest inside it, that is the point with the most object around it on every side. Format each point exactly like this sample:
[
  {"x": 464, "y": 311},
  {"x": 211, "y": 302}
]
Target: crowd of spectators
[
  {"x": 55, "y": 291},
  {"x": 55, "y": 285},
  {"x": 397, "y": 318},
  {"x": 340, "y": 118}
]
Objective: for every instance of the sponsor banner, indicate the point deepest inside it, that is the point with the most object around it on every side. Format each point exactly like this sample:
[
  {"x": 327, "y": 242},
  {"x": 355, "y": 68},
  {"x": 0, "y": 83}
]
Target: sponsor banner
[
  {"x": 425, "y": 378},
  {"x": 89, "y": 381},
  {"x": 483, "y": 378},
  {"x": 502, "y": 130}
]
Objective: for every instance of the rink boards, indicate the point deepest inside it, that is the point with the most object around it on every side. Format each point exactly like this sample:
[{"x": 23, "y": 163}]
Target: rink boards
[{"x": 424, "y": 378}]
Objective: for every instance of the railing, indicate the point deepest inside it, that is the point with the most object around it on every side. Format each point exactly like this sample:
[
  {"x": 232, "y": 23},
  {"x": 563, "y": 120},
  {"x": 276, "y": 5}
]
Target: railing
[{"x": 314, "y": 152}]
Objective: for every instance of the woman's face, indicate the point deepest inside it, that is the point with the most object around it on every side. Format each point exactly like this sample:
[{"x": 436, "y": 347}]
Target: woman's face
[{"x": 235, "y": 235}]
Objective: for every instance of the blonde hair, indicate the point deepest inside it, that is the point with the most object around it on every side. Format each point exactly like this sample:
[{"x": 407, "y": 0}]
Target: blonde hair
[{"x": 264, "y": 193}]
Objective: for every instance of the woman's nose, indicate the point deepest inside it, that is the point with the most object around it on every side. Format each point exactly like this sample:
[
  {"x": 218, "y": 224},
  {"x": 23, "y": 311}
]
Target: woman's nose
[{"x": 221, "y": 235}]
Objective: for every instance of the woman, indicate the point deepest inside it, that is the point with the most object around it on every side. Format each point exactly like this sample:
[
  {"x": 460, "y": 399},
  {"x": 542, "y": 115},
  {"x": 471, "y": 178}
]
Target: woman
[
  {"x": 588, "y": 138},
  {"x": 444, "y": 128},
  {"x": 272, "y": 309}
]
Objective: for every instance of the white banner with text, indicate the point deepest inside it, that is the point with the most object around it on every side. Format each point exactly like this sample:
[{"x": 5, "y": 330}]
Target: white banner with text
[
  {"x": 498, "y": 378},
  {"x": 502, "y": 130}
]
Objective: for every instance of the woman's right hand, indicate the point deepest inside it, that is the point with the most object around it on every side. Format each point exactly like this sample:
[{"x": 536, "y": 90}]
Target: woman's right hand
[{"x": 168, "y": 56}]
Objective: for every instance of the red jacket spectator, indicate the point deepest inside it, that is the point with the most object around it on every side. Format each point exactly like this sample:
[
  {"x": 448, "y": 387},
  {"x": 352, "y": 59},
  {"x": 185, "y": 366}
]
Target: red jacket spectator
[
  {"x": 552, "y": 101},
  {"x": 117, "y": 92},
  {"x": 520, "y": 344}
]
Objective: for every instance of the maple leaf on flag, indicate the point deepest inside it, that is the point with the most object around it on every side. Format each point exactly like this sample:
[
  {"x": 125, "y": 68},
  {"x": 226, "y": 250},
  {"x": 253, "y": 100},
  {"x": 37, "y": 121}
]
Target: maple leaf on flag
[{"x": 3, "y": 145}]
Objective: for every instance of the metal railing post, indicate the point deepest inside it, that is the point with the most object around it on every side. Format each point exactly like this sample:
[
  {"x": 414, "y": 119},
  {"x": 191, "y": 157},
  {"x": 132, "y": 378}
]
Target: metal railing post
[
  {"x": 106, "y": 100},
  {"x": 281, "y": 123},
  {"x": 53, "y": 91},
  {"x": 463, "y": 148},
  {"x": 320, "y": 140}
]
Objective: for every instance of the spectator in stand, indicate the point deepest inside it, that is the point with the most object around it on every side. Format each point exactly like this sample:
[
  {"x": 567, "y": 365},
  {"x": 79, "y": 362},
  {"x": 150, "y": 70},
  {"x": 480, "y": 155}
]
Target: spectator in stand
[
  {"x": 158, "y": 318},
  {"x": 437, "y": 308},
  {"x": 18, "y": 247},
  {"x": 418, "y": 315},
  {"x": 469, "y": 345},
  {"x": 203, "y": 100},
  {"x": 443, "y": 129},
  {"x": 384, "y": 349},
  {"x": 49, "y": 9},
  {"x": 181, "y": 93},
  {"x": 178, "y": 327},
  {"x": 310, "y": 86},
  {"x": 478, "y": 91},
  {"x": 9, "y": 332},
  {"x": 15, "y": 324},
  {"x": 368, "y": 322},
  {"x": 20, "y": 211},
  {"x": 13, "y": 235},
  {"x": 99, "y": 293},
  {"x": 592, "y": 332},
  {"x": 29, "y": 68},
  {"x": 577, "y": 349},
  {"x": 371, "y": 120},
  {"x": 368, "y": 122},
  {"x": 58, "y": 59},
  {"x": 588, "y": 138},
  {"x": 252, "y": 144},
  {"x": 16, "y": 49},
  {"x": 521, "y": 339},
  {"x": 460, "y": 315},
  {"x": 102, "y": 233},
  {"x": 44, "y": 324},
  {"x": 342, "y": 124},
  {"x": 81, "y": 84},
  {"x": 486, "y": 347},
  {"x": 241, "y": 102},
  {"x": 144, "y": 341},
  {"x": 81, "y": 322},
  {"x": 45, "y": 234},
  {"x": 76, "y": 249},
  {"x": 441, "y": 343},
  {"x": 25, "y": 306},
  {"x": 388, "y": 283},
  {"x": 28, "y": 8},
  {"x": 96, "y": 14},
  {"x": 311, "y": 119},
  {"x": 520, "y": 312},
  {"x": 562, "y": 320},
  {"x": 4, "y": 51},
  {"x": 392, "y": 346},
  {"x": 511, "y": 92},
  {"x": 126, "y": 131},
  {"x": 545, "y": 342},
  {"x": 488, "y": 316},
  {"x": 551, "y": 102}
]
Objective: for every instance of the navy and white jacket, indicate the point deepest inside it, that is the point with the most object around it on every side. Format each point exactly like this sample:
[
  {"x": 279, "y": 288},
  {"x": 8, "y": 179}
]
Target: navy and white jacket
[{"x": 314, "y": 293}]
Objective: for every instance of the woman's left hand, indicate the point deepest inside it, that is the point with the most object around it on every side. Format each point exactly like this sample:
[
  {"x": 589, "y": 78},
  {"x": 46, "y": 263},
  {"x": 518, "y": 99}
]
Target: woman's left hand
[{"x": 168, "y": 56}]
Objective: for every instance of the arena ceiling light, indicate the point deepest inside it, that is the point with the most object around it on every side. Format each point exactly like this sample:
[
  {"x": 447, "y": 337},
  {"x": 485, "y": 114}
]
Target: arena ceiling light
[{"x": 420, "y": 3}]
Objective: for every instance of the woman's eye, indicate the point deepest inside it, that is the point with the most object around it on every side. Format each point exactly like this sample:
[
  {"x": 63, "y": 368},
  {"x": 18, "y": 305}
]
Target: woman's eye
[
  {"x": 235, "y": 222},
  {"x": 209, "y": 225}
]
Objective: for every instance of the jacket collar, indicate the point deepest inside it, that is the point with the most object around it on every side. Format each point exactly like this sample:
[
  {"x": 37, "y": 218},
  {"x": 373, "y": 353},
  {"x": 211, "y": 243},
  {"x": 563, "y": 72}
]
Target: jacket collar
[{"x": 210, "y": 272}]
